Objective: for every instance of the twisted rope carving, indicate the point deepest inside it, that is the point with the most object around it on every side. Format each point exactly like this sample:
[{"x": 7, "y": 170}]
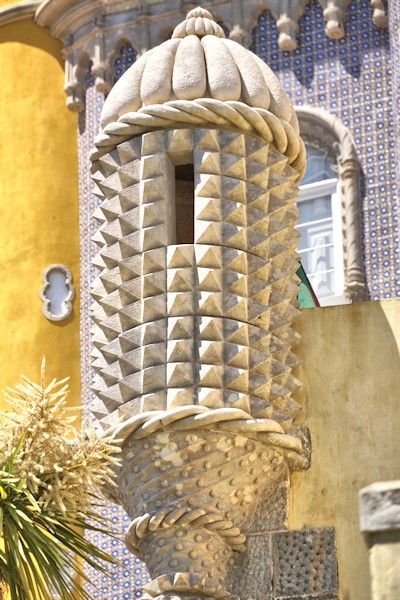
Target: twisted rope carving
[
  {"x": 192, "y": 417},
  {"x": 206, "y": 112},
  {"x": 182, "y": 517}
]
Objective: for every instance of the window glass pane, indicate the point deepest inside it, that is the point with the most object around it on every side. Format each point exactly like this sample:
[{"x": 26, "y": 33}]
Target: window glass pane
[
  {"x": 318, "y": 259},
  {"x": 318, "y": 226},
  {"x": 319, "y": 166},
  {"x": 316, "y": 234},
  {"x": 317, "y": 208},
  {"x": 323, "y": 284}
]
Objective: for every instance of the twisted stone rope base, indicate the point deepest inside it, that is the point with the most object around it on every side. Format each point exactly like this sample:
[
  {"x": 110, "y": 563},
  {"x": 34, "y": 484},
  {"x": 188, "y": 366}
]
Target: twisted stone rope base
[
  {"x": 182, "y": 517},
  {"x": 194, "y": 417},
  {"x": 206, "y": 112}
]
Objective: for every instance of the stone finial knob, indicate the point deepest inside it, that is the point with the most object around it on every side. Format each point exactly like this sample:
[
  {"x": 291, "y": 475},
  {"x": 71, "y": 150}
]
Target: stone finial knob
[
  {"x": 379, "y": 16},
  {"x": 334, "y": 16},
  {"x": 199, "y": 12},
  {"x": 198, "y": 22},
  {"x": 287, "y": 28}
]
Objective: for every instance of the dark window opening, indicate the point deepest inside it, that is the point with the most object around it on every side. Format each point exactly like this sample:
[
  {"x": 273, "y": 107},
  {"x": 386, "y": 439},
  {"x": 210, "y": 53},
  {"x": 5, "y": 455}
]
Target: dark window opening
[{"x": 184, "y": 204}]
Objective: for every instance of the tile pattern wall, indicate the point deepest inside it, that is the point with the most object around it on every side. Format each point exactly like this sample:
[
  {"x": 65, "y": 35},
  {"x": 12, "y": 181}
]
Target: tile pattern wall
[
  {"x": 394, "y": 30},
  {"x": 351, "y": 79},
  {"x": 127, "y": 581}
]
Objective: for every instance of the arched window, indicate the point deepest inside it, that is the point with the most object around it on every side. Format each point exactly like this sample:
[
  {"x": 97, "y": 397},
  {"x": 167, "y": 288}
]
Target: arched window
[
  {"x": 321, "y": 245},
  {"x": 330, "y": 210}
]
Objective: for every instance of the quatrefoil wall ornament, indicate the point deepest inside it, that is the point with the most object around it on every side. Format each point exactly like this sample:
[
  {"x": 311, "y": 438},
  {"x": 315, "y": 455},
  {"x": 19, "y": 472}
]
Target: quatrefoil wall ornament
[{"x": 57, "y": 293}]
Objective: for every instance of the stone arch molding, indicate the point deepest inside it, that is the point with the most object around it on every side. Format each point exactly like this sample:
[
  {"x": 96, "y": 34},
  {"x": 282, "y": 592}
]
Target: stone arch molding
[
  {"x": 96, "y": 26},
  {"x": 318, "y": 124},
  {"x": 75, "y": 23},
  {"x": 287, "y": 15}
]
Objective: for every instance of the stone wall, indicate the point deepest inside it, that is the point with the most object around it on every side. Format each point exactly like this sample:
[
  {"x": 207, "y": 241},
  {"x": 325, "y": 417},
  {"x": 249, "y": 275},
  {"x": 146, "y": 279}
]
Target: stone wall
[{"x": 351, "y": 378}]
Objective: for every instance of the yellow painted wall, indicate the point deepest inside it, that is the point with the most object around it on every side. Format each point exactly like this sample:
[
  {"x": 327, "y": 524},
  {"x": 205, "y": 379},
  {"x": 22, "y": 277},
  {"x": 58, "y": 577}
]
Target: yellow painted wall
[
  {"x": 350, "y": 395},
  {"x": 4, "y": 3},
  {"x": 39, "y": 222}
]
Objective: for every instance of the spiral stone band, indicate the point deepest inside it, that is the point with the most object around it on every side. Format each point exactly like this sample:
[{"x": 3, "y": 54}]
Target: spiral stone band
[
  {"x": 183, "y": 517},
  {"x": 206, "y": 112}
]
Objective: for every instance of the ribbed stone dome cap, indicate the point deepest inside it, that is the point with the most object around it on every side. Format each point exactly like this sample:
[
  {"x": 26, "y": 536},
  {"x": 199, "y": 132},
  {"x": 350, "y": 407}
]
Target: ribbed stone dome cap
[{"x": 198, "y": 62}]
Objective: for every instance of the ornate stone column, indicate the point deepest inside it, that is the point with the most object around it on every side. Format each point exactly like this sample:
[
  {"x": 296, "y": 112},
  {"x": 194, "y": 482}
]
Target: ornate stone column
[{"x": 197, "y": 165}]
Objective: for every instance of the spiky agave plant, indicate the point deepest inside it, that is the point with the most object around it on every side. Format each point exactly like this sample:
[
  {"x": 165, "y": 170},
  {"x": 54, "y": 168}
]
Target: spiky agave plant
[{"x": 50, "y": 475}]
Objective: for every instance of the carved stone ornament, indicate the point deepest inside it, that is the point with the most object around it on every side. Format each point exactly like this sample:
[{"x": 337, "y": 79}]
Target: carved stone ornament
[
  {"x": 91, "y": 30},
  {"x": 380, "y": 14},
  {"x": 197, "y": 165}
]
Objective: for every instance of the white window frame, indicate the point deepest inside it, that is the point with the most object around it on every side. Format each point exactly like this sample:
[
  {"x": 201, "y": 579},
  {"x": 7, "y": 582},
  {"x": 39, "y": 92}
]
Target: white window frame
[{"x": 310, "y": 191}]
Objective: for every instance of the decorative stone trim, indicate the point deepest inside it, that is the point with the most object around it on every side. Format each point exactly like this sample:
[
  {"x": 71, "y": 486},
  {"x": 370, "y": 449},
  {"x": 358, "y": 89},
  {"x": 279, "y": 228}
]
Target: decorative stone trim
[
  {"x": 182, "y": 517},
  {"x": 203, "y": 112},
  {"x": 241, "y": 36},
  {"x": 287, "y": 17},
  {"x": 67, "y": 302},
  {"x": 335, "y": 17},
  {"x": 18, "y": 12},
  {"x": 93, "y": 28},
  {"x": 288, "y": 29},
  {"x": 236, "y": 420},
  {"x": 318, "y": 123}
]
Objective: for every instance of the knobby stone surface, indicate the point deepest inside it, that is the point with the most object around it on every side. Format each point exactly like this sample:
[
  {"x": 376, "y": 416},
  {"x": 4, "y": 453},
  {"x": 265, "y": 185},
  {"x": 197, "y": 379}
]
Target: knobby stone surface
[{"x": 290, "y": 565}]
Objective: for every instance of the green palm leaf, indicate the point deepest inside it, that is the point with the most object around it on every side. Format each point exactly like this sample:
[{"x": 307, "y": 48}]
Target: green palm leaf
[{"x": 44, "y": 507}]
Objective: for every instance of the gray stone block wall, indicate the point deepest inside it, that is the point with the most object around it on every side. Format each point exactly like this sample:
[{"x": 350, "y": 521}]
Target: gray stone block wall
[{"x": 287, "y": 565}]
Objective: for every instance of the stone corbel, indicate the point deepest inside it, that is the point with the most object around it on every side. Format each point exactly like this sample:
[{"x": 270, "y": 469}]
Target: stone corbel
[
  {"x": 241, "y": 36},
  {"x": 73, "y": 88},
  {"x": 380, "y": 16},
  {"x": 103, "y": 74},
  {"x": 101, "y": 67},
  {"x": 287, "y": 28},
  {"x": 335, "y": 16}
]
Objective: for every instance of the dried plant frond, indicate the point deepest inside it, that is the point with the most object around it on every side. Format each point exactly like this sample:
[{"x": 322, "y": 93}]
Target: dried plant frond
[{"x": 49, "y": 473}]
